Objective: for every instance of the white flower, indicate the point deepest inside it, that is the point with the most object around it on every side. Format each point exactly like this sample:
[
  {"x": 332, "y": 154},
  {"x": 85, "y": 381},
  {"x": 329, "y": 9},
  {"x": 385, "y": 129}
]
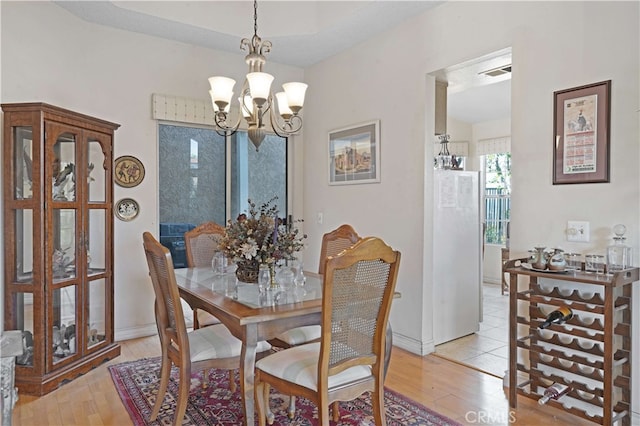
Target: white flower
[{"x": 249, "y": 249}]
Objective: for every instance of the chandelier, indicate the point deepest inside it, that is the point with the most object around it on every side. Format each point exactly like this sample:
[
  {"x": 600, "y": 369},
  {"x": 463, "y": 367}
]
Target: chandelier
[
  {"x": 256, "y": 101},
  {"x": 443, "y": 160}
]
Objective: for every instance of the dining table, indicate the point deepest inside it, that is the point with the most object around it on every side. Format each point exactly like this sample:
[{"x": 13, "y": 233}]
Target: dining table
[
  {"x": 250, "y": 314},
  {"x": 253, "y": 315}
]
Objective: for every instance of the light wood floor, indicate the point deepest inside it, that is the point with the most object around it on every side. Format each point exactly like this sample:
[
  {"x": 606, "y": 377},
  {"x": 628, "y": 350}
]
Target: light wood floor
[{"x": 464, "y": 394}]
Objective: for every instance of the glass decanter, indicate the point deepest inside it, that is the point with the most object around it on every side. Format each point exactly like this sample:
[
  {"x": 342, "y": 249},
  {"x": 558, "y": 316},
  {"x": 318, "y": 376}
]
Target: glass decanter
[{"x": 618, "y": 254}]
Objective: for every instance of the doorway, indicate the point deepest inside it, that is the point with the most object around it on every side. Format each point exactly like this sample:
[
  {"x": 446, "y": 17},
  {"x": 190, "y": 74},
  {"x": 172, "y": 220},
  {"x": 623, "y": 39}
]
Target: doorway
[{"x": 479, "y": 118}]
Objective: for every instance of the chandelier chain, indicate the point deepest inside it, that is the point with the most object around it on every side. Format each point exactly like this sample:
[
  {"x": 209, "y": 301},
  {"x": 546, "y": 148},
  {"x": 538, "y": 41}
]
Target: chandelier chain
[{"x": 255, "y": 18}]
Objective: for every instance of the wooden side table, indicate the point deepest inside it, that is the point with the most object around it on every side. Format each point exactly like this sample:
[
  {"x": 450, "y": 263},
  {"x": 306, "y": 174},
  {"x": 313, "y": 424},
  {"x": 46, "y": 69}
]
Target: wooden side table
[{"x": 505, "y": 259}]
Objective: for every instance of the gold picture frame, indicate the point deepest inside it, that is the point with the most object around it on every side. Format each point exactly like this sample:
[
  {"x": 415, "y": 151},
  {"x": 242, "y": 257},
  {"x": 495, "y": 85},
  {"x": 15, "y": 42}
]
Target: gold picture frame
[{"x": 128, "y": 171}]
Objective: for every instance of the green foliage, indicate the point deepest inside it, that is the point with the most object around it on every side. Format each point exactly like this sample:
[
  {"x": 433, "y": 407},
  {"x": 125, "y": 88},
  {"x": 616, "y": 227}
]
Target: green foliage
[{"x": 498, "y": 170}]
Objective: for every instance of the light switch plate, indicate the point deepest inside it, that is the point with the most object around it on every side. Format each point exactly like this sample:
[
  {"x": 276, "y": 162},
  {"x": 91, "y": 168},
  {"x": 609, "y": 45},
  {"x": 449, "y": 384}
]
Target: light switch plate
[{"x": 578, "y": 231}]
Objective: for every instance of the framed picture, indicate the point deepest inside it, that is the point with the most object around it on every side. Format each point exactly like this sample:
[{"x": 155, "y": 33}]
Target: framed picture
[
  {"x": 128, "y": 171},
  {"x": 354, "y": 154},
  {"x": 581, "y": 122},
  {"x": 127, "y": 209}
]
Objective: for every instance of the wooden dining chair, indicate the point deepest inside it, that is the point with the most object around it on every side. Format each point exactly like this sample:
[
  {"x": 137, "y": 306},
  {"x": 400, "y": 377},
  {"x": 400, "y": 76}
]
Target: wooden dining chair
[
  {"x": 343, "y": 237},
  {"x": 359, "y": 285},
  {"x": 333, "y": 242},
  {"x": 205, "y": 348},
  {"x": 201, "y": 243}
]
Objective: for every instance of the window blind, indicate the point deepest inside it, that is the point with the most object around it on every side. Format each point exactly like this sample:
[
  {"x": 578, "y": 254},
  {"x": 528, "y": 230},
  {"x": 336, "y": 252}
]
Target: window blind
[
  {"x": 494, "y": 145},
  {"x": 185, "y": 110}
]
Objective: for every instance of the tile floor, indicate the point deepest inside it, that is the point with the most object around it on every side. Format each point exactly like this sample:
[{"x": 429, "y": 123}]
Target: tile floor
[{"x": 488, "y": 349}]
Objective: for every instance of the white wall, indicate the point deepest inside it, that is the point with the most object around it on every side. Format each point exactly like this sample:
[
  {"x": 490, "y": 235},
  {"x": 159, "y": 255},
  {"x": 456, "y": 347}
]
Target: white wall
[
  {"x": 555, "y": 46},
  {"x": 49, "y": 55},
  {"x": 52, "y": 56}
]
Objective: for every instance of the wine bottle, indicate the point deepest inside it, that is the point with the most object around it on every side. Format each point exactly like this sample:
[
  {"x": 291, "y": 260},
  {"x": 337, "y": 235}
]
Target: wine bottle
[
  {"x": 559, "y": 316},
  {"x": 555, "y": 391}
]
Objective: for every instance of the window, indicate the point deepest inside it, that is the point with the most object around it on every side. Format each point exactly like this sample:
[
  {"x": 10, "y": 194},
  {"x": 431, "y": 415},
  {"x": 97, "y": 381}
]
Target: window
[
  {"x": 497, "y": 197},
  {"x": 194, "y": 172}
]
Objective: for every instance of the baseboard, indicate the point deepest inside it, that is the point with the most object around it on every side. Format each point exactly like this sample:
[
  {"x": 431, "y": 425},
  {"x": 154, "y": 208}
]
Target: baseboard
[
  {"x": 136, "y": 332},
  {"x": 635, "y": 418},
  {"x": 407, "y": 343},
  {"x": 412, "y": 345},
  {"x": 488, "y": 280}
]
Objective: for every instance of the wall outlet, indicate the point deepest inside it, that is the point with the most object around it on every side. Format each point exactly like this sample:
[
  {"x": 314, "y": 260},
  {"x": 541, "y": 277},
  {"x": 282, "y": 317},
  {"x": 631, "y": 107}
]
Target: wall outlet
[{"x": 578, "y": 231}]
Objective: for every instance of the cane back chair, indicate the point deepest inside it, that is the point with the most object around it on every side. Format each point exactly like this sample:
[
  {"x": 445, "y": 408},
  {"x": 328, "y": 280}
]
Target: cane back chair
[
  {"x": 358, "y": 288},
  {"x": 202, "y": 349}
]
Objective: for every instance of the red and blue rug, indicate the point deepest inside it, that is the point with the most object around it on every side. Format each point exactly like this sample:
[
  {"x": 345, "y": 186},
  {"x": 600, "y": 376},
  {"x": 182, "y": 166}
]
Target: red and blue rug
[{"x": 137, "y": 384}]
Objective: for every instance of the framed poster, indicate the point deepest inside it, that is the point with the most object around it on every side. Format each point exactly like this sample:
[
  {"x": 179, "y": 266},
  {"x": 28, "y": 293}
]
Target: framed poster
[
  {"x": 581, "y": 122},
  {"x": 354, "y": 154},
  {"x": 128, "y": 171}
]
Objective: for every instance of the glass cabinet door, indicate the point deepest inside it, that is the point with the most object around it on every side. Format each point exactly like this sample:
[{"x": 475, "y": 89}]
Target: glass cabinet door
[
  {"x": 97, "y": 312},
  {"x": 64, "y": 168},
  {"x": 97, "y": 177},
  {"x": 63, "y": 335},
  {"x": 97, "y": 228},
  {"x": 23, "y": 246},
  {"x": 23, "y": 162},
  {"x": 63, "y": 256}
]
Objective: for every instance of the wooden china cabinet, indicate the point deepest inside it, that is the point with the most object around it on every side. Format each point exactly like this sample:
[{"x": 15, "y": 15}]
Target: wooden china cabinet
[{"x": 58, "y": 242}]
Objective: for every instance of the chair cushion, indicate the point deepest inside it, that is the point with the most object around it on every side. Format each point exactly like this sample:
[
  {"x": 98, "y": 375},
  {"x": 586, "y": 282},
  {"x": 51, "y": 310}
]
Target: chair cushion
[
  {"x": 299, "y": 365},
  {"x": 301, "y": 335},
  {"x": 216, "y": 341},
  {"x": 205, "y": 318}
]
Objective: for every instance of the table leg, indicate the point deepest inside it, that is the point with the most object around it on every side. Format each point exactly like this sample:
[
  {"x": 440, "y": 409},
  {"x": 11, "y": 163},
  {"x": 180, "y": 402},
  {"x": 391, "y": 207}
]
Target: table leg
[{"x": 247, "y": 369}]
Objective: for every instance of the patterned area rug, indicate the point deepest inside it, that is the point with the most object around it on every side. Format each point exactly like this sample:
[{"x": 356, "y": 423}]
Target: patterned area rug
[{"x": 137, "y": 383}]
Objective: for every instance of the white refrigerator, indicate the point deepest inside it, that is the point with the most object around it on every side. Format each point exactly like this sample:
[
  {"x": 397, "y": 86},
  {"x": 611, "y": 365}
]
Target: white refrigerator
[{"x": 457, "y": 248}]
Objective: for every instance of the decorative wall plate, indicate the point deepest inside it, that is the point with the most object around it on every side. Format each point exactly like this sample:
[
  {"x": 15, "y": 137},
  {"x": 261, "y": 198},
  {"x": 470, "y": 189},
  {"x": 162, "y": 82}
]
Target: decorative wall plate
[
  {"x": 127, "y": 209},
  {"x": 128, "y": 171}
]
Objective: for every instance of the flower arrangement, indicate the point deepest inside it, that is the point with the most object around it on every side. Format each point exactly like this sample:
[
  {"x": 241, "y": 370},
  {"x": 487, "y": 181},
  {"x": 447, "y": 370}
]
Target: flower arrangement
[{"x": 261, "y": 237}]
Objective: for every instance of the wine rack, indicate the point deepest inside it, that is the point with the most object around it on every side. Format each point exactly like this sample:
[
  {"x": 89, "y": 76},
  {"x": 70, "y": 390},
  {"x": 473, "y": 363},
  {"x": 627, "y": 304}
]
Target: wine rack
[{"x": 590, "y": 353}]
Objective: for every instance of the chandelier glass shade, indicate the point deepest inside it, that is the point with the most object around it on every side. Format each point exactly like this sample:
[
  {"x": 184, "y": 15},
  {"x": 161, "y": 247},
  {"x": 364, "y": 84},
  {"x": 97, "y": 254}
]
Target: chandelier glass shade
[{"x": 257, "y": 104}]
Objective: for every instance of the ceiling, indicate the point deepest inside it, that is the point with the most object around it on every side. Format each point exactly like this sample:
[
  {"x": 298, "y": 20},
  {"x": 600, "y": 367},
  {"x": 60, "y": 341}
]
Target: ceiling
[
  {"x": 479, "y": 90},
  {"x": 302, "y": 32}
]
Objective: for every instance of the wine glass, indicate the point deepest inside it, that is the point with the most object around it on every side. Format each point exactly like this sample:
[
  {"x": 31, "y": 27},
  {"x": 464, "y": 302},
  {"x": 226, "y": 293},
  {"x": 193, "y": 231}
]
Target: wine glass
[
  {"x": 264, "y": 278},
  {"x": 219, "y": 263},
  {"x": 299, "y": 279}
]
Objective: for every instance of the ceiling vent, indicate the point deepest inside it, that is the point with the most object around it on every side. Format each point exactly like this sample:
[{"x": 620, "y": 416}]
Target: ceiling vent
[{"x": 506, "y": 69}]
